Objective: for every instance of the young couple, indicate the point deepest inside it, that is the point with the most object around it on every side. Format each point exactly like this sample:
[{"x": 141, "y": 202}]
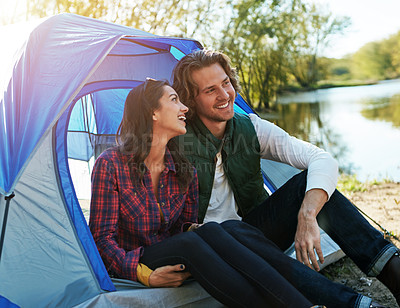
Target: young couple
[{"x": 146, "y": 203}]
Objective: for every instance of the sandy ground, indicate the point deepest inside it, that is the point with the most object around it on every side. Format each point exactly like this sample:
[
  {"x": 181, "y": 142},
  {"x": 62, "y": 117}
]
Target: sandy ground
[{"x": 382, "y": 203}]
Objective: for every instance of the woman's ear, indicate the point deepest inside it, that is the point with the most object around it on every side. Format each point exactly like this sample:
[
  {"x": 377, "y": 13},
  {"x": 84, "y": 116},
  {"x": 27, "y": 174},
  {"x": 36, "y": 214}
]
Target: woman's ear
[{"x": 154, "y": 117}]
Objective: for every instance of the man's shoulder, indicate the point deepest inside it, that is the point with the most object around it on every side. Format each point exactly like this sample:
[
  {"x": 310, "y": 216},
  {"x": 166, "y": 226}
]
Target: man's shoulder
[{"x": 243, "y": 122}]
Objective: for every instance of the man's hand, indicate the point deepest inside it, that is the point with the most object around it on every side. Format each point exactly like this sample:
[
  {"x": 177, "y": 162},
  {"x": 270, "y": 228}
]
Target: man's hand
[
  {"x": 168, "y": 276},
  {"x": 307, "y": 238}
]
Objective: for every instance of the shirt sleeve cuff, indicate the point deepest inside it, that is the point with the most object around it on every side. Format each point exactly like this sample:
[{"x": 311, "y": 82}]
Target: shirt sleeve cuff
[
  {"x": 186, "y": 226},
  {"x": 143, "y": 274},
  {"x": 322, "y": 181}
]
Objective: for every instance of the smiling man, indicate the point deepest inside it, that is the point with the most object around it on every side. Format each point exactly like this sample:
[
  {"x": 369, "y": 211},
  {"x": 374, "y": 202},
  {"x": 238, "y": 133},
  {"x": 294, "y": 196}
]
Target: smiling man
[{"x": 226, "y": 149}]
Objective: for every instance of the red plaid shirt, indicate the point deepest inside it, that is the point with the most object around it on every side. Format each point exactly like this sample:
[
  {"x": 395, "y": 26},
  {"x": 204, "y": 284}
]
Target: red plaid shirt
[{"x": 124, "y": 218}]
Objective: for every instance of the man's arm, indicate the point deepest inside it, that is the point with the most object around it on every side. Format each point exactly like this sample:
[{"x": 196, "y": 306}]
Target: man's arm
[
  {"x": 322, "y": 175},
  {"x": 307, "y": 238},
  {"x": 278, "y": 145}
]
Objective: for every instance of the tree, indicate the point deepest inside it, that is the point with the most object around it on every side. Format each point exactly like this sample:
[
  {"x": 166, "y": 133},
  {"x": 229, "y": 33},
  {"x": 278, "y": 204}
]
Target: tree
[
  {"x": 312, "y": 33},
  {"x": 271, "y": 40},
  {"x": 254, "y": 40},
  {"x": 163, "y": 17},
  {"x": 369, "y": 62}
]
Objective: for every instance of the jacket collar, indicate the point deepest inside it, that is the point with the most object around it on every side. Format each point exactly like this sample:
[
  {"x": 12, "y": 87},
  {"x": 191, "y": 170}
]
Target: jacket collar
[{"x": 206, "y": 137}]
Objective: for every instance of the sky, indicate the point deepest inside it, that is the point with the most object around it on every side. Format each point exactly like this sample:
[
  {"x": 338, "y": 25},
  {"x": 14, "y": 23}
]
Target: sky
[{"x": 372, "y": 20}]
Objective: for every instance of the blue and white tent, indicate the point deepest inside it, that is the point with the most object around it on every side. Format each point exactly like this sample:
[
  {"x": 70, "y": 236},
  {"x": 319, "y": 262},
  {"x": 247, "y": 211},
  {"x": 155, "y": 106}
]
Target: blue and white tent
[{"x": 63, "y": 83}]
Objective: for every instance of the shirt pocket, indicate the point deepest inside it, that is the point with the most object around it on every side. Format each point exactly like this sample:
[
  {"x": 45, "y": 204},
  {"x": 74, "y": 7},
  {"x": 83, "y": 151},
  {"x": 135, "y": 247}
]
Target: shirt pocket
[
  {"x": 133, "y": 202},
  {"x": 176, "y": 203}
]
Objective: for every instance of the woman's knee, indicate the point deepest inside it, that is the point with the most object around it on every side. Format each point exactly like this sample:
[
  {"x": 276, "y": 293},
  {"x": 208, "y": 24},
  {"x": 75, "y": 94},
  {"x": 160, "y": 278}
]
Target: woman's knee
[{"x": 190, "y": 241}]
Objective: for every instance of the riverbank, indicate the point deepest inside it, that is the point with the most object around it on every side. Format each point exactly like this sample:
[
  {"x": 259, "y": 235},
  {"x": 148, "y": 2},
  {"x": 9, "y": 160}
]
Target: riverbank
[
  {"x": 326, "y": 84},
  {"x": 381, "y": 202}
]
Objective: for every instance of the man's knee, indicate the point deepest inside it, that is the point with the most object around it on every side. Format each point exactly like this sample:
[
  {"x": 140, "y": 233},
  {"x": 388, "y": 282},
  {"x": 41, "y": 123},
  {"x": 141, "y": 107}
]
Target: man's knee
[
  {"x": 234, "y": 225},
  {"x": 300, "y": 178},
  {"x": 209, "y": 228},
  {"x": 240, "y": 227}
]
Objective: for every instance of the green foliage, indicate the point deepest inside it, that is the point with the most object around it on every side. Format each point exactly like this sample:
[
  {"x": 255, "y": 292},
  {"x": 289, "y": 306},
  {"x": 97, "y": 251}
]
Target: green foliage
[
  {"x": 252, "y": 39},
  {"x": 273, "y": 43},
  {"x": 334, "y": 69},
  {"x": 163, "y": 17},
  {"x": 314, "y": 28},
  {"x": 377, "y": 60},
  {"x": 349, "y": 183}
]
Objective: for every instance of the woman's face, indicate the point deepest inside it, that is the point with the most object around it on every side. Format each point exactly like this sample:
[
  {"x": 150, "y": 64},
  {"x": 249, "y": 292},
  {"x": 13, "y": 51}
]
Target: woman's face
[{"x": 170, "y": 117}]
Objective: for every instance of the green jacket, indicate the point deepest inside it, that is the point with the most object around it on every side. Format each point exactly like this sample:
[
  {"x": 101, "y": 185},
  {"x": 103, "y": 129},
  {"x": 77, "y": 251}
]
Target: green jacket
[{"x": 240, "y": 157}]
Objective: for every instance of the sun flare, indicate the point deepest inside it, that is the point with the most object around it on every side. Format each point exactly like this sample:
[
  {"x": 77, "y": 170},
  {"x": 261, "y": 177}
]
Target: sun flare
[{"x": 12, "y": 11}]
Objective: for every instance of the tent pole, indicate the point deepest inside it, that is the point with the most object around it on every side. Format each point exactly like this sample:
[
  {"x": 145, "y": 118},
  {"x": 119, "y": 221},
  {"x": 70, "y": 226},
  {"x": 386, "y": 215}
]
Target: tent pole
[{"x": 3, "y": 229}]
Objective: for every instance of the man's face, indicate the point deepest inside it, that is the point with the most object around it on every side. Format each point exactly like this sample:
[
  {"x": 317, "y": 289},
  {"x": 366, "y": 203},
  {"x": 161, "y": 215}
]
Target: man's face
[{"x": 214, "y": 103}]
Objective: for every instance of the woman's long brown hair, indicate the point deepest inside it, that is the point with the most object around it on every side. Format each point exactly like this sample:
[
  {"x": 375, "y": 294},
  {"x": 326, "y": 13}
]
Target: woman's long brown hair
[{"x": 135, "y": 133}]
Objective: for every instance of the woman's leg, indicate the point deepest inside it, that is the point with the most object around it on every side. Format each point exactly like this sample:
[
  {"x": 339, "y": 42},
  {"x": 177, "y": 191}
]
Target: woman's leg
[
  {"x": 220, "y": 279},
  {"x": 317, "y": 288},
  {"x": 214, "y": 275},
  {"x": 271, "y": 283}
]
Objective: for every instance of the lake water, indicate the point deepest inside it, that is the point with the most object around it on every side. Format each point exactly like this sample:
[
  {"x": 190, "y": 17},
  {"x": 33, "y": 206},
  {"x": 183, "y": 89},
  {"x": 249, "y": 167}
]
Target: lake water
[{"x": 359, "y": 126}]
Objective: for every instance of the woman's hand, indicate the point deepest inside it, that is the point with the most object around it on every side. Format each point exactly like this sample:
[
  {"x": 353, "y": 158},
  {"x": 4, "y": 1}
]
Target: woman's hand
[{"x": 168, "y": 276}]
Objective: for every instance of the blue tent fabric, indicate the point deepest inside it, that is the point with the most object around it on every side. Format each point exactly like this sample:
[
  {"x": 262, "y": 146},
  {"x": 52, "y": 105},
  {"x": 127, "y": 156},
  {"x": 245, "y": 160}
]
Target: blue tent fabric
[
  {"x": 70, "y": 48},
  {"x": 72, "y": 203},
  {"x": 5, "y": 303},
  {"x": 35, "y": 82},
  {"x": 53, "y": 65}
]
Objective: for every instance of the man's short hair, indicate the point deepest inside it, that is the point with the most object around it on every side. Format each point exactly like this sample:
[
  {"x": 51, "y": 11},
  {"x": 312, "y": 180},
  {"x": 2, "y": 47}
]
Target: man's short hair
[{"x": 184, "y": 84}]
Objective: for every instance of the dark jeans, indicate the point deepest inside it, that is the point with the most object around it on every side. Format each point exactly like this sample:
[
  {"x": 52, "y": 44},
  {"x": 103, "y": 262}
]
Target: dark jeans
[
  {"x": 227, "y": 269},
  {"x": 277, "y": 219},
  {"x": 314, "y": 286}
]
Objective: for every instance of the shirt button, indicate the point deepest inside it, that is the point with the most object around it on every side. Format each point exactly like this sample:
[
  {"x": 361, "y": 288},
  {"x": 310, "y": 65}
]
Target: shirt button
[
  {"x": 162, "y": 186},
  {"x": 162, "y": 203},
  {"x": 135, "y": 193},
  {"x": 155, "y": 233}
]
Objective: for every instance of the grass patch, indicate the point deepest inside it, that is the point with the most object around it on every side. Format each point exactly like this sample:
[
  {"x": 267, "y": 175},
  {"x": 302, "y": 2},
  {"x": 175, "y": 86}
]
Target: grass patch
[
  {"x": 350, "y": 183},
  {"x": 340, "y": 267}
]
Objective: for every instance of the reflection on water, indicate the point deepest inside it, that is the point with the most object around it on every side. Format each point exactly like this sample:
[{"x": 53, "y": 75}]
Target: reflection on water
[
  {"x": 359, "y": 126},
  {"x": 384, "y": 109},
  {"x": 303, "y": 120}
]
